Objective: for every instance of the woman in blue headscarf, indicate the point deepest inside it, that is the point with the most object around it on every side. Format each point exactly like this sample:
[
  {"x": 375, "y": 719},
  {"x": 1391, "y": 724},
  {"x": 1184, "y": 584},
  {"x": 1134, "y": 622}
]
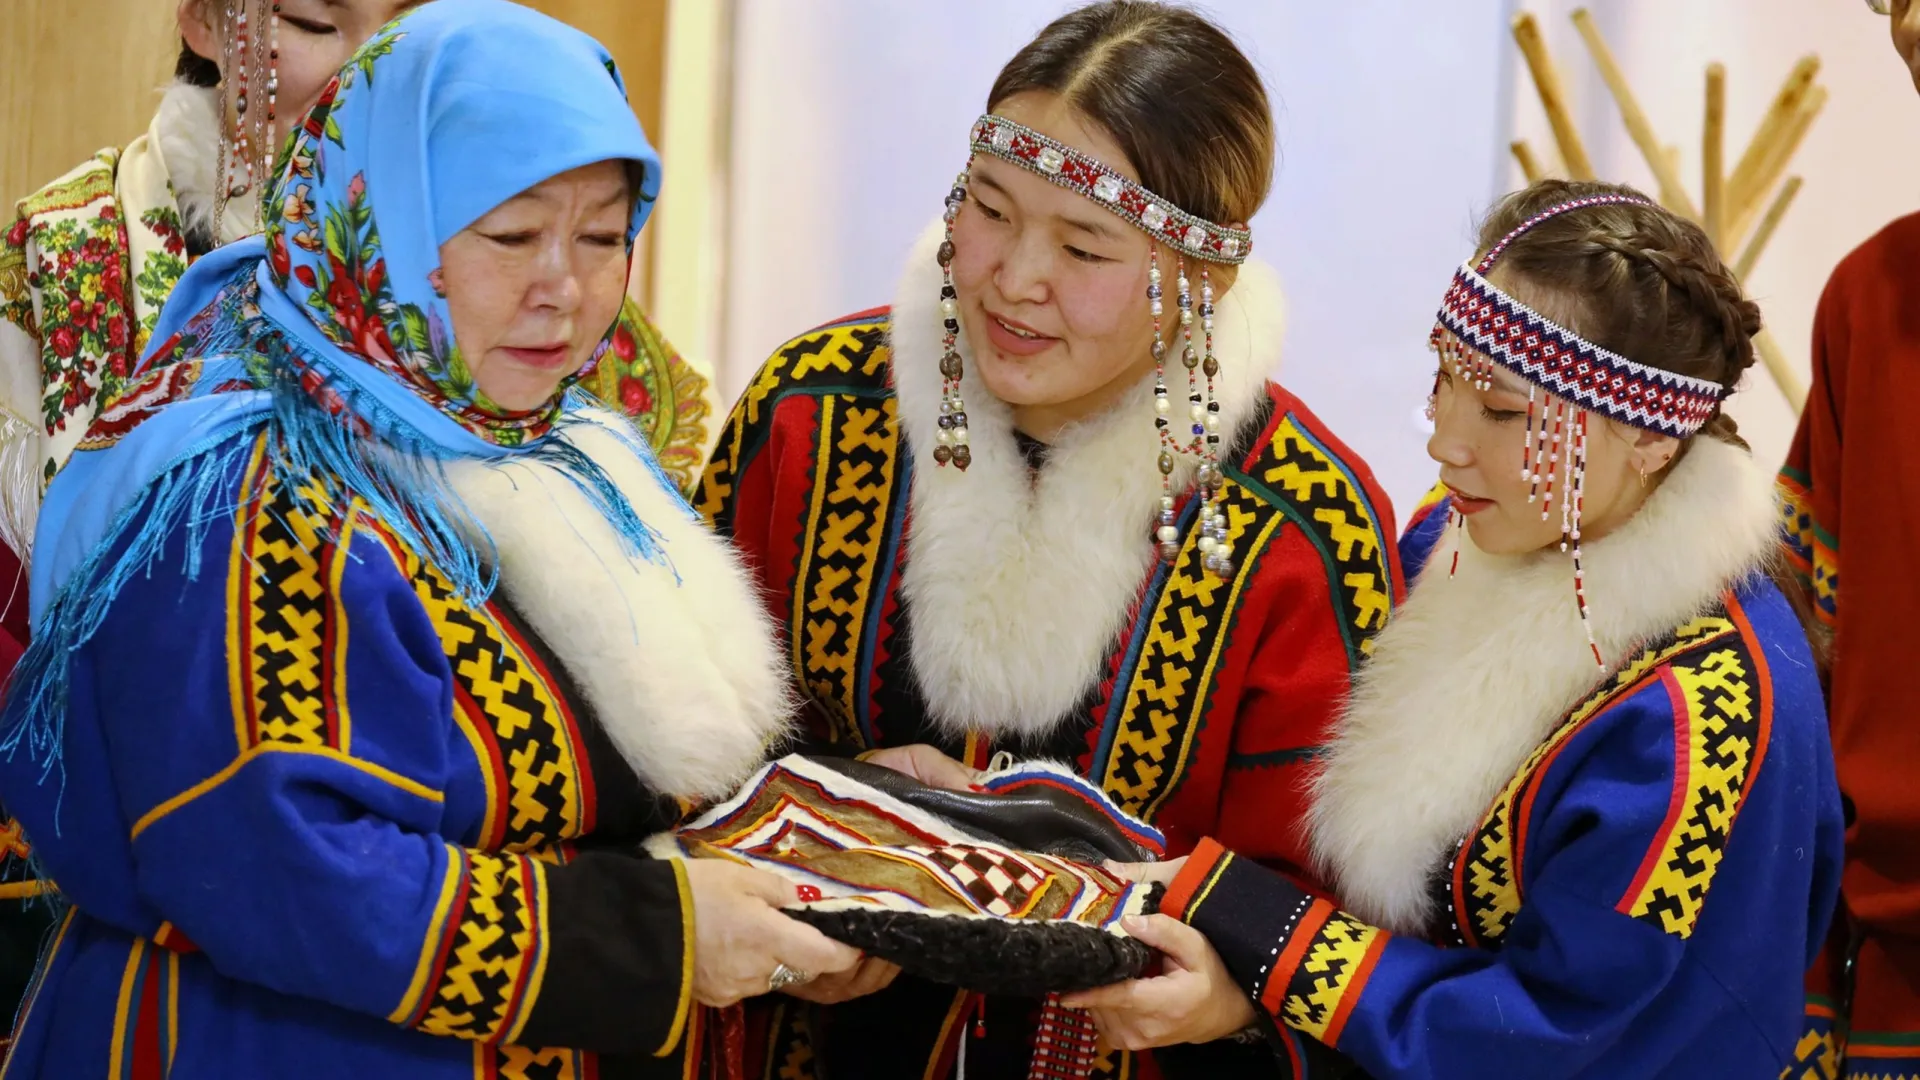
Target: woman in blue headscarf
[{"x": 366, "y": 650}]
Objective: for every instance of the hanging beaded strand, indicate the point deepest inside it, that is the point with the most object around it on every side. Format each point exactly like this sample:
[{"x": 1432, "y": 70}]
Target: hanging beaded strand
[
  {"x": 950, "y": 440},
  {"x": 1217, "y": 548},
  {"x": 1579, "y": 561},
  {"x": 269, "y": 149},
  {"x": 243, "y": 135},
  {"x": 229, "y": 62},
  {"x": 1166, "y": 534}
]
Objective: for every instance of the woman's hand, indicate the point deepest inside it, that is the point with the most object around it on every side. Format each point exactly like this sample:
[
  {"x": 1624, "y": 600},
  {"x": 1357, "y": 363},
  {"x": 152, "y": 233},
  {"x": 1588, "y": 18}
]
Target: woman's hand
[
  {"x": 740, "y": 934},
  {"x": 927, "y": 765},
  {"x": 1193, "y": 1001},
  {"x": 1148, "y": 873},
  {"x": 870, "y": 976}
]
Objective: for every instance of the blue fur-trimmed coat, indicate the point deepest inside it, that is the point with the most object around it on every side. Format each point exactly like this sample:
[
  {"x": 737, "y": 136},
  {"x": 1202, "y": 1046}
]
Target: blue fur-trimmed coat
[
  {"x": 1544, "y": 877},
  {"x": 322, "y": 818}
]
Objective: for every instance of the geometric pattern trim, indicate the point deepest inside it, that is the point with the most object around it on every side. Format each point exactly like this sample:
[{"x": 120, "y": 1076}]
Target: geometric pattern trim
[
  {"x": 1484, "y": 878},
  {"x": 286, "y": 627},
  {"x": 1570, "y": 367},
  {"x": 516, "y": 719},
  {"x": 1813, "y": 551},
  {"x": 486, "y": 954},
  {"x": 1133, "y": 204}
]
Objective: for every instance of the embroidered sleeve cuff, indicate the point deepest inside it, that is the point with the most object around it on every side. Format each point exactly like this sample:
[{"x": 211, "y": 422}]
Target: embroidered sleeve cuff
[
  {"x": 1301, "y": 959},
  {"x": 619, "y": 979}
]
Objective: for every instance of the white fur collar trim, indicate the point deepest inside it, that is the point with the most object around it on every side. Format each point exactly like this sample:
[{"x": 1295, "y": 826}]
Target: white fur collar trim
[
  {"x": 186, "y": 131},
  {"x": 1018, "y": 589},
  {"x": 684, "y": 675},
  {"x": 1472, "y": 673}
]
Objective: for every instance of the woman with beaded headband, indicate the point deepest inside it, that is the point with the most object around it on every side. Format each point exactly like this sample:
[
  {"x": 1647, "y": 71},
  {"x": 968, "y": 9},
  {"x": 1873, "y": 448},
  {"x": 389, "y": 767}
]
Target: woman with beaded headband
[
  {"x": 1580, "y": 813},
  {"x": 1050, "y": 504}
]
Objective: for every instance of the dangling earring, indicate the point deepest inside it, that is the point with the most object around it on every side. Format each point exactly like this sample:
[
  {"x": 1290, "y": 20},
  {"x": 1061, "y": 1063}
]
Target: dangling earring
[
  {"x": 1643, "y": 476},
  {"x": 950, "y": 441},
  {"x": 251, "y": 55},
  {"x": 1203, "y": 412}
]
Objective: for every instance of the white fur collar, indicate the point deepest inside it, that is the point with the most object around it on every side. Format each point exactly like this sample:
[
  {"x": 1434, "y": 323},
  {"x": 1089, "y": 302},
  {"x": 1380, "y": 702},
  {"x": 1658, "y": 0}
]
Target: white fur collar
[
  {"x": 683, "y": 675},
  {"x": 1473, "y": 672},
  {"x": 186, "y": 130},
  {"x": 1019, "y": 589}
]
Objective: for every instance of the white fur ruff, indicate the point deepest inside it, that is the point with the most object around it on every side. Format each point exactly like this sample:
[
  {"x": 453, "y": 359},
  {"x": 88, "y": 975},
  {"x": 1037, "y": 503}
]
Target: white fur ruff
[
  {"x": 1019, "y": 588},
  {"x": 684, "y": 675},
  {"x": 186, "y": 130},
  {"x": 1474, "y": 671}
]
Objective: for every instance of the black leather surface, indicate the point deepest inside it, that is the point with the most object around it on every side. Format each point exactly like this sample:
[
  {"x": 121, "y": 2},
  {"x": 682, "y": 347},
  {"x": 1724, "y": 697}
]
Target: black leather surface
[{"x": 1038, "y": 818}]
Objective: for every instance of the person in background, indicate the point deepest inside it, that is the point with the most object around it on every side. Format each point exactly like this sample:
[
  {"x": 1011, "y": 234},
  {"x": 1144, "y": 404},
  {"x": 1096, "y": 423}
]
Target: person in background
[{"x": 1851, "y": 488}]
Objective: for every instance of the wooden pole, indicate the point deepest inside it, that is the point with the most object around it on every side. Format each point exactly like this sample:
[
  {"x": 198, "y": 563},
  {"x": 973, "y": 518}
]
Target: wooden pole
[
  {"x": 1712, "y": 158},
  {"x": 1786, "y": 105},
  {"x": 1672, "y": 192},
  {"x": 1553, "y": 96},
  {"x": 1756, "y": 246},
  {"x": 1530, "y": 166},
  {"x": 1780, "y": 156},
  {"x": 1783, "y": 374}
]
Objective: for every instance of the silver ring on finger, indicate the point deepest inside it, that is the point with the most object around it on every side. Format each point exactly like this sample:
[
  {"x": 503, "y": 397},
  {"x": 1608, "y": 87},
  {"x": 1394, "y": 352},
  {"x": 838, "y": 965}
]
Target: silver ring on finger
[{"x": 784, "y": 976}]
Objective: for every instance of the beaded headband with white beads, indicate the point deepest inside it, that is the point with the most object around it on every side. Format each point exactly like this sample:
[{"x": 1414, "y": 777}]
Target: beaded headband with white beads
[
  {"x": 1075, "y": 171},
  {"x": 1480, "y": 326},
  {"x": 1563, "y": 363}
]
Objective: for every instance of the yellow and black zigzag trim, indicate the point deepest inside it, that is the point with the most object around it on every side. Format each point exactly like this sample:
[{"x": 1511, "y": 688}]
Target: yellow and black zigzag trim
[
  {"x": 515, "y": 718},
  {"x": 1722, "y": 715},
  {"x": 1164, "y": 696},
  {"x": 1314, "y": 489},
  {"x": 486, "y": 950},
  {"x": 843, "y": 545},
  {"x": 845, "y": 357},
  {"x": 1486, "y": 878},
  {"x": 286, "y": 627},
  {"x": 1326, "y": 977}
]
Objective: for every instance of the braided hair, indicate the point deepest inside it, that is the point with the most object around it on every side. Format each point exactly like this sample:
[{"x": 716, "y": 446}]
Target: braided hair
[{"x": 1637, "y": 279}]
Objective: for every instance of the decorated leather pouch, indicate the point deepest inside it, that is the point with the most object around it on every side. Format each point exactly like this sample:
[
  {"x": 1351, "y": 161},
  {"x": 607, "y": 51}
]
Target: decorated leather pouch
[{"x": 997, "y": 892}]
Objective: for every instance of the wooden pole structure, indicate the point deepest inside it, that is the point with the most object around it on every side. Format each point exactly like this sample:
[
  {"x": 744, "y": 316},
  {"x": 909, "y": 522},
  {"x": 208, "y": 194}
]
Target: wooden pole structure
[
  {"x": 1713, "y": 206},
  {"x": 1530, "y": 166},
  {"x": 1777, "y": 366},
  {"x": 1779, "y": 115},
  {"x": 1553, "y": 96},
  {"x": 1750, "y": 255},
  {"x": 1731, "y": 199},
  {"x": 1673, "y": 194},
  {"x": 1778, "y": 157}
]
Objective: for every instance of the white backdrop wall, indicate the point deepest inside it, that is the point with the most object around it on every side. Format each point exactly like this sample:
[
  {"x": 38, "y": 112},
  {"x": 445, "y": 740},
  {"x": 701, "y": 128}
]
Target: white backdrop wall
[{"x": 849, "y": 119}]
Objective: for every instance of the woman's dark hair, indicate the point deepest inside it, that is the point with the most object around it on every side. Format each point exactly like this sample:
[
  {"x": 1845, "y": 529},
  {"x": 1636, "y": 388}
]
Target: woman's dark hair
[
  {"x": 1171, "y": 88},
  {"x": 194, "y": 69},
  {"x": 1639, "y": 280}
]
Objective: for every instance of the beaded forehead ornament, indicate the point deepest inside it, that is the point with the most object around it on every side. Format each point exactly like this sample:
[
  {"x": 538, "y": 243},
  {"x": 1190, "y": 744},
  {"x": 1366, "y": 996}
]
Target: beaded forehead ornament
[
  {"x": 1188, "y": 236},
  {"x": 1479, "y": 326}
]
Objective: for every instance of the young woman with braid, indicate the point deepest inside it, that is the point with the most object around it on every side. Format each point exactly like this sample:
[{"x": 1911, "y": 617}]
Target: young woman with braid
[{"x": 1580, "y": 811}]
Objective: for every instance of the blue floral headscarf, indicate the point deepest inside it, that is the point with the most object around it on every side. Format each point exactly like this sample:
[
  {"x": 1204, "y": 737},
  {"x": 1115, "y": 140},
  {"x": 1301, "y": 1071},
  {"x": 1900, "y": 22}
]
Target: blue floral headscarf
[{"x": 332, "y": 332}]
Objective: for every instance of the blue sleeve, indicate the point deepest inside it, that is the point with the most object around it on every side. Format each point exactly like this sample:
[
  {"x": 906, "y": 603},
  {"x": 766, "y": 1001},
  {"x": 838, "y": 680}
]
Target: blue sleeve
[
  {"x": 269, "y": 747},
  {"x": 1590, "y": 929},
  {"x": 1424, "y": 532}
]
